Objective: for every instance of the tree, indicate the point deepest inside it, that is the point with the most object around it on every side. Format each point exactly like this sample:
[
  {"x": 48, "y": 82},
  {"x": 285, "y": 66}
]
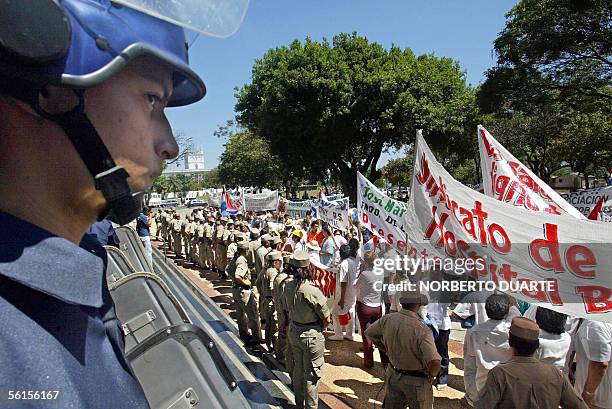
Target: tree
[
  {"x": 333, "y": 108},
  {"x": 586, "y": 144},
  {"x": 185, "y": 145},
  {"x": 550, "y": 93},
  {"x": 210, "y": 179},
  {"x": 398, "y": 172},
  {"x": 531, "y": 138},
  {"x": 247, "y": 161},
  {"x": 551, "y": 50}
]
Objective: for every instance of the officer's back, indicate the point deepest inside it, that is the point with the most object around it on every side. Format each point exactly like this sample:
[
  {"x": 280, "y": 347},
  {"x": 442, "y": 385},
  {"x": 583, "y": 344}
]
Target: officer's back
[
  {"x": 414, "y": 359},
  {"x": 524, "y": 382}
]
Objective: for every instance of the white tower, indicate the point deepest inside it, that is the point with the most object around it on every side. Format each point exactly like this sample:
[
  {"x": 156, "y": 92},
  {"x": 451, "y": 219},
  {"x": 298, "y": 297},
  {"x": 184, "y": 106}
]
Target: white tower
[{"x": 194, "y": 160}]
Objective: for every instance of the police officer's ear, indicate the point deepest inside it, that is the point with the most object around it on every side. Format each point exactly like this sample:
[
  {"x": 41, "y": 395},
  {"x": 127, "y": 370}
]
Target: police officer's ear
[{"x": 57, "y": 100}]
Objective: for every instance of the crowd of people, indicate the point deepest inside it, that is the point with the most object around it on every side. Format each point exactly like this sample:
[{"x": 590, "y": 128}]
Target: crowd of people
[{"x": 516, "y": 355}]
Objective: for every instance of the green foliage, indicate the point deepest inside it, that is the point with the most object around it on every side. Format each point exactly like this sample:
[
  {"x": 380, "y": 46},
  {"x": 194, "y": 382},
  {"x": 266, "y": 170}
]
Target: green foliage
[
  {"x": 398, "y": 172},
  {"x": 549, "y": 94},
  {"x": 333, "y": 107},
  {"x": 210, "y": 179},
  {"x": 247, "y": 161},
  {"x": 185, "y": 183},
  {"x": 555, "y": 50}
]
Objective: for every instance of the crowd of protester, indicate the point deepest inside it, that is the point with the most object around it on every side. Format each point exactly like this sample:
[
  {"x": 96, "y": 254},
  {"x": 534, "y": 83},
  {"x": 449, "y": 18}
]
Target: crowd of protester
[{"x": 515, "y": 355}]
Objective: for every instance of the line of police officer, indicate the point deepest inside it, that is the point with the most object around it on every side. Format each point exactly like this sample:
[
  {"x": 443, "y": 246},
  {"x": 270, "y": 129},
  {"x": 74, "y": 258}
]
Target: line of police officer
[{"x": 268, "y": 288}]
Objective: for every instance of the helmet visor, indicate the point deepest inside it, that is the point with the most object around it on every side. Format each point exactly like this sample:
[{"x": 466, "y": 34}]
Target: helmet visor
[{"x": 215, "y": 18}]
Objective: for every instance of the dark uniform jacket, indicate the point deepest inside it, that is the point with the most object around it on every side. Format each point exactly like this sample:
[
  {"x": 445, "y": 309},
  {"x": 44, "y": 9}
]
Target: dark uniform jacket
[{"x": 59, "y": 330}]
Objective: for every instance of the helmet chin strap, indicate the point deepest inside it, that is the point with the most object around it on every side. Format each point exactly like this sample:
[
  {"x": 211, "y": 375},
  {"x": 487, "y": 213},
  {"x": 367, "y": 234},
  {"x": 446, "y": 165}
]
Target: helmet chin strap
[{"x": 110, "y": 179}]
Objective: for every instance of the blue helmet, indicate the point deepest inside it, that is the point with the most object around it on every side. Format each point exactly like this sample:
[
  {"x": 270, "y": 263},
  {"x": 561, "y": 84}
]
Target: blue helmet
[
  {"x": 82, "y": 43},
  {"x": 105, "y": 37},
  {"x": 99, "y": 39}
]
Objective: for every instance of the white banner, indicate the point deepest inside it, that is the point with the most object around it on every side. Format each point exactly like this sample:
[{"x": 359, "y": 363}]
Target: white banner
[
  {"x": 213, "y": 197},
  {"x": 508, "y": 180},
  {"x": 334, "y": 197},
  {"x": 514, "y": 245},
  {"x": 259, "y": 202},
  {"x": 586, "y": 200},
  {"x": 296, "y": 210},
  {"x": 334, "y": 213},
  {"x": 324, "y": 277},
  {"x": 382, "y": 215}
]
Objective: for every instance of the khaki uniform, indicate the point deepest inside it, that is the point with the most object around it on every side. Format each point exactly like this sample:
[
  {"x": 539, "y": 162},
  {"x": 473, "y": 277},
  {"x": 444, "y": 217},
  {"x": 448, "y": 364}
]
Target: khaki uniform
[
  {"x": 200, "y": 245},
  {"x": 260, "y": 268},
  {"x": 410, "y": 347},
  {"x": 209, "y": 255},
  {"x": 217, "y": 242},
  {"x": 162, "y": 225},
  {"x": 266, "y": 282},
  {"x": 287, "y": 287},
  {"x": 226, "y": 239},
  {"x": 231, "y": 251},
  {"x": 184, "y": 237},
  {"x": 176, "y": 237},
  {"x": 307, "y": 310},
  {"x": 168, "y": 229},
  {"x": 253, "y": 246},
  {"x": 193, "y": 247},
  {"x": 525, "y": 382},
  {"x": 280, "y": 337},
  {"x": 246, "y": 307}
]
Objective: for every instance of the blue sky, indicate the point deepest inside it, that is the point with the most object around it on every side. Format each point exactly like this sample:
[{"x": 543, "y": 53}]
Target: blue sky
[{"x": 461, "y": 29}]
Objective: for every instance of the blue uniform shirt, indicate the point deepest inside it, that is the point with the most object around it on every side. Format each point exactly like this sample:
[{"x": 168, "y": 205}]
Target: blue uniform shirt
[
  {"x": 58, "y": 328},
  {"x": 141, "y": 225},
  {"x": 104, "y": 232}
]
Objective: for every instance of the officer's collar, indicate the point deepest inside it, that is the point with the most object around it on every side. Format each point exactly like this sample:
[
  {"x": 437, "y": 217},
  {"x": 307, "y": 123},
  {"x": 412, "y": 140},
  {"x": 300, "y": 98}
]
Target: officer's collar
[
  {"x": 518, "y": 358},
  {"x": 409, "y": 313},
  {"x": 55, "y": 266}
]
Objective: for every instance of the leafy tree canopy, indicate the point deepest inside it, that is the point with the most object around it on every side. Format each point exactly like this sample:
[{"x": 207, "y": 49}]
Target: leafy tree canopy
[{"x": 333, "y": 107}]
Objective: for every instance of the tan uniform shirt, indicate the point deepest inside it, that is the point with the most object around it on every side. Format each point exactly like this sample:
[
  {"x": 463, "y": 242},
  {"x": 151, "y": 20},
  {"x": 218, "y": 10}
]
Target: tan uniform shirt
[
  {"x": 409, "y": 342},
  {"x": 176, "y": 225},
  {"x": 287, "y": 292},
  {"x": 267, "y": 281},
  {"x": 208, "y": 231},
  {"x": 200, "y": 231},
  {"x": 219, "y": 233},
  {"x": 277, "y": 290},
  {"x": 231, "y": 250},
  {"x": 242, "y": 268},
  {"x": 309, "y": 305},
  {"x": 525, "y": 382},
  {"x": 260, "y": 257},
  {"x": 228, "y": 235},
  {"x": 253, "y": 245}
]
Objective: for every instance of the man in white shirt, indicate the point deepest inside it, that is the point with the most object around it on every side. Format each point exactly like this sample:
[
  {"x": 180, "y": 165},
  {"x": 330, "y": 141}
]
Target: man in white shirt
[
  {"x": 486, "y": 345},
  {"x": 437, "y": 309},
  {"x": 345, "y": 297},
  {"x": 472, "y": 304},
  {"x": 593, "y": 343},
  {"x": 553, "y": 339}
]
